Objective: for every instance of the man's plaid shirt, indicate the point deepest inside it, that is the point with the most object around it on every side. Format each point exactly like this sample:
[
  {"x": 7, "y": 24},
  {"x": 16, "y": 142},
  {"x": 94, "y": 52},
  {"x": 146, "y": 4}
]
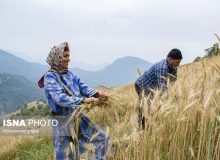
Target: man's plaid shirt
[{"x": 155, "y": 77}]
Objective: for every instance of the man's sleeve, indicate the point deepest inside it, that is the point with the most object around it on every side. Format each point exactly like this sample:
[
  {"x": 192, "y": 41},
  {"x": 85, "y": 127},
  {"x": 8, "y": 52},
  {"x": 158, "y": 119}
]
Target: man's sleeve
[
  {"x": 58, "y": 94},
  {"x": 161, "y": 75}
]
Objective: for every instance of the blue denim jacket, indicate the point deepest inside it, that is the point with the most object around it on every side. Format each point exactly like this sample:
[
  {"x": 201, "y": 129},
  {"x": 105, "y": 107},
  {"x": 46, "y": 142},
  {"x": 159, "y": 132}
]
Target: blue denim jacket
[{"x": 59, "y": 101}]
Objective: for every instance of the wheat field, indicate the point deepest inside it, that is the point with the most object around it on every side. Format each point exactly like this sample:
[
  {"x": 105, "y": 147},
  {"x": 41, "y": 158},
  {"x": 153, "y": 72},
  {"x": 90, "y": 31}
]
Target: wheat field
[{"x": 184, "y": 122}]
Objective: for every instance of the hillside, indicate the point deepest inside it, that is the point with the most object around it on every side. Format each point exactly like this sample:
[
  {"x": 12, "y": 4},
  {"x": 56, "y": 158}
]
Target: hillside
[
  {"x": 16, "y": 91},
  {"x": 17, "y": 66}
]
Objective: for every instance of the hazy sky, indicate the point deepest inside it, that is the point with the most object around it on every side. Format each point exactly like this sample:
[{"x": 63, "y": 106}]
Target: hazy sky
[{"x": 99, "y": 31}]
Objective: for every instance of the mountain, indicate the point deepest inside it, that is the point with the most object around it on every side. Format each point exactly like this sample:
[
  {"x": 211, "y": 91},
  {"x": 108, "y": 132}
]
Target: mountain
[
  {"x": 120, "y": 72},
  {"x": 89, "y": 67},
  {"x": 16, "y": 91},
  {"x": 15, "y": 65}
]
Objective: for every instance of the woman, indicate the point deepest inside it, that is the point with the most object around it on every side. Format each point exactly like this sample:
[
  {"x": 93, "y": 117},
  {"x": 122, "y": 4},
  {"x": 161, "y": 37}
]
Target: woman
[{"x": 65, "y": 92}]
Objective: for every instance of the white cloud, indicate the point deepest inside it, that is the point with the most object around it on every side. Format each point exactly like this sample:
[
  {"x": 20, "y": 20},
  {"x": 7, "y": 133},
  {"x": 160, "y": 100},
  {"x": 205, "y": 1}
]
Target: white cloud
[{"x": 109, "y": 28}]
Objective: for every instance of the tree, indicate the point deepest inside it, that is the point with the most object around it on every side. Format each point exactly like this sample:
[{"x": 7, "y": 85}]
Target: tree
[{"x": 214, "y": 50}]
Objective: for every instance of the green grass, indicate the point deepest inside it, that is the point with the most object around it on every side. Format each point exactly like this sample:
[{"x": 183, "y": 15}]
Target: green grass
[{"x": 38, "y": 149}]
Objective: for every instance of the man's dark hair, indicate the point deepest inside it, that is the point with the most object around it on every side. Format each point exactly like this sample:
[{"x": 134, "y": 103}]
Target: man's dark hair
[{"x": 175, "y": 54}]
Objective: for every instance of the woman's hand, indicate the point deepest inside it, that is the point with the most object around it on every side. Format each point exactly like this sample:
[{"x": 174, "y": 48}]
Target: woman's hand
[
  {"x": 93, "y": 100},
  {"x": 103, "y": 96}
]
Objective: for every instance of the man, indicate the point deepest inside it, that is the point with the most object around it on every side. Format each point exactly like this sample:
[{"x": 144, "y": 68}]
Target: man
[
  {"x": 156, "y": 78},
  {"x": 65, "y": 92}
]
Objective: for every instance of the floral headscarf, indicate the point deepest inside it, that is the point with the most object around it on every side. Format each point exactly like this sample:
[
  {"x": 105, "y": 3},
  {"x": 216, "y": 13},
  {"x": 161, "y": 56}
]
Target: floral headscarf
[{"x": 55, "y": 56}]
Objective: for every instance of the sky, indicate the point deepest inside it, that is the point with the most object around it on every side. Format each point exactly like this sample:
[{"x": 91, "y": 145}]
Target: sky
[{"x": 100, "y": 31}]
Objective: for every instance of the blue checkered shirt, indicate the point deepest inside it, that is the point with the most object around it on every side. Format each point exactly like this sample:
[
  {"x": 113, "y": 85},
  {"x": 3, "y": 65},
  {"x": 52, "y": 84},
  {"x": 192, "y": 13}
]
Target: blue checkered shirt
[{"x": 155, "y": 77}]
